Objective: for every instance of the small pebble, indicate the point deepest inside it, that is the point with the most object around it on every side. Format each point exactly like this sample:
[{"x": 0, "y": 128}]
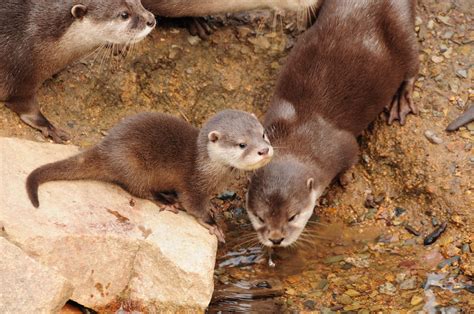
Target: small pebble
[
  {"x": 309, "y": 305},
  {"x": 412, "y": 230},
  {"x": 416, "y": 299},
  {"x": 387, "y": 288},
  {"x": 264, "y": 284},
  {"x": 461, "y": 73},
  {"x": 470, "y": 288},
  {"x": 344, "y": 299},
  {"x": 399, "y": 211},
  {"x": 437, "y": 59},
  {"x": 466, "y": 248},
  {"x": 227, "y": 195},
  {"x": 432, "y": 237},
  {"x": 432, "y": 137},
  {"x": 434, "y": 221},
  {"x": 449, "y": 261},
  {"x": 408, "y": 284},
  {"x": 193, "y": 40}
]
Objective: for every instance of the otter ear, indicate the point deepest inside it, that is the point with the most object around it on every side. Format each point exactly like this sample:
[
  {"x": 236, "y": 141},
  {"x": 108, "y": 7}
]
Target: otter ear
[
  {"x": 79, "y": 11},
  {"x": 214, "y": 136},
  {"x": 310, "y": 184}
]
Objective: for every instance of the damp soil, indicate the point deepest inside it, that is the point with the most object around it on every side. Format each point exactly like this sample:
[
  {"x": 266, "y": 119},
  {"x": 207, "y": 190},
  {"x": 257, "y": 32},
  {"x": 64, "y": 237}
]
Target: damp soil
[{"x": 364, "y": 249}]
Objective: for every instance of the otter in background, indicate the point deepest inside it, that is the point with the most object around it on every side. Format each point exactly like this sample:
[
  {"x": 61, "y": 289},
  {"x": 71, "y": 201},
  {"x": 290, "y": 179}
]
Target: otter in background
[
  {"x": 197, "y": 8},
  {"x": 359, "y": 57},
  {"x": 38, "y": 38}
]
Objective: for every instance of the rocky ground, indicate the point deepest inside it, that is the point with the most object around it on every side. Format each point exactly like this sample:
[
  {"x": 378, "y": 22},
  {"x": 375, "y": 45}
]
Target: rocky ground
[{"x": 364, "y": 249}]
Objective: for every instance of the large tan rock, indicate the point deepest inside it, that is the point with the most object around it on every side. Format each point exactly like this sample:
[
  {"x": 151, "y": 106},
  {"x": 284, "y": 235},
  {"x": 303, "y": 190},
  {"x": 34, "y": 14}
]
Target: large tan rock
[
  {"x": 27, "y": 286},
  {"x": 111, "y": 251}
]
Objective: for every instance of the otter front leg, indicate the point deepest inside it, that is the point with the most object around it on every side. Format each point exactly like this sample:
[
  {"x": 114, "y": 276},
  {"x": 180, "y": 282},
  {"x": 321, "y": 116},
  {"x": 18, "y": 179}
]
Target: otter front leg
[
  {"x": 29, "y": 112},
  {"x": 198, "y": 206},
  {"x": 402, "y": 103}
]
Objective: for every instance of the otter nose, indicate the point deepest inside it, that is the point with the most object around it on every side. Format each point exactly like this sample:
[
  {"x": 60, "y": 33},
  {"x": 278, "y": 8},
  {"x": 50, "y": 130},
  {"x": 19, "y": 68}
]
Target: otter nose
[
  {"x": 277, "y": 241},
  {"x": 150, "y": 20},
  {"x": 263, "y": 151}
]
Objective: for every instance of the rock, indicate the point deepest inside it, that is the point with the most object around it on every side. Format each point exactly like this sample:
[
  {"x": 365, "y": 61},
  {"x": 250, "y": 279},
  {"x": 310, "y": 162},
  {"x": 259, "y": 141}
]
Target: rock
[
  {"x": 227, "y": 195},
  {"x": 260, "y": 42},
  {"x": 416, "y": 299},
  {"x": 309, "y": 305},
  {"x": 344, "y": 299},
  {"x": 432, "y": 137},
  {"x": 387, "y": 288},
  {"x": 462, "y": 73},
  {"x": 352, "y": 293},
  {"x": 26, "y": 286},
  {"x": 194, "y": 40},
  {"x": 108, "y": 250},
  {"x": 408, "y": 284},
  {"x": 437, "y": 59}
]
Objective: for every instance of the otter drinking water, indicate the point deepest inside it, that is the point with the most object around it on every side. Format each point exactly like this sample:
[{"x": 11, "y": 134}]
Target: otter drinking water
[
  {"x": 153, "y": 156},
  {"x": 40, "y": 37},
  {"x": 359, "y": 57}
]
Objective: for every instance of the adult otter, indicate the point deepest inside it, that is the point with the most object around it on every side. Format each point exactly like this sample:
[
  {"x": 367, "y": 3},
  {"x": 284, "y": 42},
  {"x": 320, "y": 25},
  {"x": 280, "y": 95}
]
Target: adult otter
[
  {"x": 340, "y": 75},
  {"x": 153, "y": 155},
  {"x": 40, "y": 37}
]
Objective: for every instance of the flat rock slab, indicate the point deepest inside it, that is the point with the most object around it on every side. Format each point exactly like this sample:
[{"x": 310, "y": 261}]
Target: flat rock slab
[
  {"x": 115, "y": 252},
  {"x": 26, "y": 286}
]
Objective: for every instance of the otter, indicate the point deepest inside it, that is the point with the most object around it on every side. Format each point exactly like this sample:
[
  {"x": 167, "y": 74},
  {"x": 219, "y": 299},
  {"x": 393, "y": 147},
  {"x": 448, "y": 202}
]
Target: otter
[
  {"x": 197, "y": 8},
  {"x": 358, "y": 58},
  {"x": 159, "y": 157},
  {"x": 38, "y": 38}
]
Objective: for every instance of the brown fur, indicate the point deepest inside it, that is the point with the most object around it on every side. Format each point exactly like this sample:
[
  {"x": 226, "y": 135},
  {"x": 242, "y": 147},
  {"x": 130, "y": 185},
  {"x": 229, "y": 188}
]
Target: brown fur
[
  {"x": 153, "y": 156},
  {"x": 34, "y": 45},
  {"x": 359, "y": 57}
]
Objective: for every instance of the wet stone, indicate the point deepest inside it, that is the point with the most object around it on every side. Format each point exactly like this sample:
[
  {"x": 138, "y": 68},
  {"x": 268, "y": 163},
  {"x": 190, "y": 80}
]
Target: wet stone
[
  {"x": 399, "y": 211},
  {"x": 449, "y": 261},
  {"x": 309, "y": 305},
  {"x": 227, "y": 195},
  {"x": 432, "y": 237}
]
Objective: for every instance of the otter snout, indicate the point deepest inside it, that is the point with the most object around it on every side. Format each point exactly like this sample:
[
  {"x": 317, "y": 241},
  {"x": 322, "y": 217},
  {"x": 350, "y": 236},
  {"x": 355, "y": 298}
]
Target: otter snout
[{"x": 276, "y": 241}]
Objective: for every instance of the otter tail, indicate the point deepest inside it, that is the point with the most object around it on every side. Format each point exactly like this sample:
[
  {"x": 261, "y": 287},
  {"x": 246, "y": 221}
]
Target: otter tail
[{"x": 86, "y": 165}]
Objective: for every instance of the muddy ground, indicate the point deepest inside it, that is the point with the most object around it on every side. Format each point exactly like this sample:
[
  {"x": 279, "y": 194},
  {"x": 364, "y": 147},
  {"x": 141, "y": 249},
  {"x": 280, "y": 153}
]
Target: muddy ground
[{"x": 361, "y": 253}]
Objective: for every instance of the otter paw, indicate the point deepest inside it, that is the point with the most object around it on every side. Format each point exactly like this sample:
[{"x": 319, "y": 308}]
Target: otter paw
[
  {"x": 57, "y": 135},
  {"x": 172, "y": 208},
  {"x": 201, "y": 26},
  {"x": 213, "y": 229},
  {"x": 402, "y": 103}
]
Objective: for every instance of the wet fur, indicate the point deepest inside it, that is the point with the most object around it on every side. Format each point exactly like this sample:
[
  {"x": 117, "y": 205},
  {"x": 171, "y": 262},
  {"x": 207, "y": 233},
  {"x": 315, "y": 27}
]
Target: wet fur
[{"x": 339, "y": 77}]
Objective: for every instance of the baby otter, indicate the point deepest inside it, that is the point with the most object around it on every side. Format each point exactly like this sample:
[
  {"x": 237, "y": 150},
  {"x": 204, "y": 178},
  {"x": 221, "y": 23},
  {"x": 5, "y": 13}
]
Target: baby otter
[
  {"x": 40, "y": 37},
  {"x": 359, "y": 57},
  {"x": 155, "y": 155}
]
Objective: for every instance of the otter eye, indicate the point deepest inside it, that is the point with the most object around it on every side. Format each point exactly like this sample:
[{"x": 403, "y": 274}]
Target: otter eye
[
  {"x": 242, "y": 145},
  {"x": 124, "y": 15},
  {"x": 292, "y": 218}
]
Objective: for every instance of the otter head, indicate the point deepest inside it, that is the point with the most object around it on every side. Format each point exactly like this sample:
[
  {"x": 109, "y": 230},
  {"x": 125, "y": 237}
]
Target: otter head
[
  {"x": 280, "y": 200},
  {"x": 237, "y": 139},
  {"x": 111, "y": 22}
]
